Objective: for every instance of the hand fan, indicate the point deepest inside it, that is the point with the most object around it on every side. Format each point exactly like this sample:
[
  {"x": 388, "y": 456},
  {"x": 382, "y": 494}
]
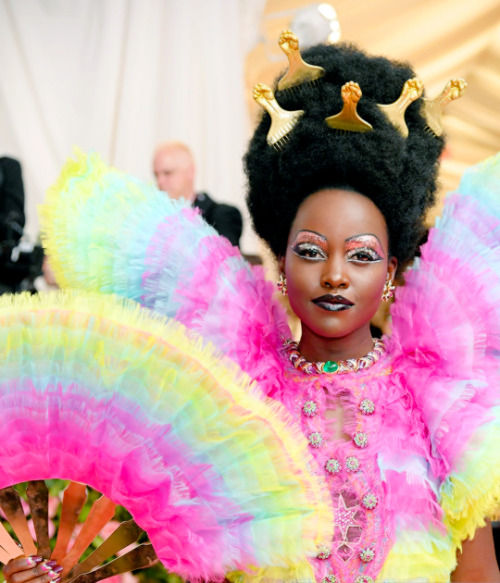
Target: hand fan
[{"x": 99, "y": 391}]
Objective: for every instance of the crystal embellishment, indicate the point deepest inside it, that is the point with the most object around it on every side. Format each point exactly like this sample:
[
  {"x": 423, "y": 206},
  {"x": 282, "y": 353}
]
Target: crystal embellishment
[
  {"x": 330, "y": 579},
  {"x": 364, "y": 579},
  {"x": 367, "y": 554},
  {"x": 330, "y": 366},
  {"x": 352, "y": 463},
  {"x": 315, "y": 439},
  {"x": 310, "y": 408},
  {"x": 367, "y": 406},
  {"x": 369, "y": 501},
  {"x": 333, "y": 466},
  {"x": 323, "y": 552},
  {"x": 345, "y": 517},
  {"x": 361, "y": 439}
]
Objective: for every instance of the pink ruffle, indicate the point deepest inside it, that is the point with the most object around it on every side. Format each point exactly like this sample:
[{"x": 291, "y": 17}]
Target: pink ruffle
[
  {"x": 446, "y": 324},
  {"x": 213, "y": 291},
  {"x": 177, "y": 500}
]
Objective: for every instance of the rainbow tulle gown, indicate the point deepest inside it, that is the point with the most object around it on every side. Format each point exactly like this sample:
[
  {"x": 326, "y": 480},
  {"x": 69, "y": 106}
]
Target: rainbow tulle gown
[{"x": 420, "y": 470}]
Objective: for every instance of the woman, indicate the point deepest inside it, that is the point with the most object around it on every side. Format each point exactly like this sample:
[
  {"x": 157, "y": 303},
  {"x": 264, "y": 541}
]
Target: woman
[{"x": 404, "y": 430}]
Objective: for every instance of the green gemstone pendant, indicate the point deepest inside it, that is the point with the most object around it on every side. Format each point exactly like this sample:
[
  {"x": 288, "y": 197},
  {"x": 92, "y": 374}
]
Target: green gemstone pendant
[{"x": 330, "y": 366}]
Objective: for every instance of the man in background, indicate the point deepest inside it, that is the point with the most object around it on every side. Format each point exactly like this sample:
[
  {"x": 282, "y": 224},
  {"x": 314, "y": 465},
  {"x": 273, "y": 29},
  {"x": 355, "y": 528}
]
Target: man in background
[
  {"x": 12, "y": 221},
  {"x": 12, "y": 217},
  {"x": 20, "y": 261},
  {"x": 174, "y": 170}
]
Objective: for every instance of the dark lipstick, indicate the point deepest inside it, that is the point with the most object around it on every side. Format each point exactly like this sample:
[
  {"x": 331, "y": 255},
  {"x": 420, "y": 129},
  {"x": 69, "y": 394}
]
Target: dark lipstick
[{"x": 333, "y": 303}]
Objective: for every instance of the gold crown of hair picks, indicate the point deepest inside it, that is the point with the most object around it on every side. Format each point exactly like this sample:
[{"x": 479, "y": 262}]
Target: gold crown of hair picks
[
  {"x": 282, "y": 121},
  {"x": 433, "y": 108},
  {"x": 395, "y": 112},
  {"x": 349, "y": 119},
  {"x": 298, "y": 70}
]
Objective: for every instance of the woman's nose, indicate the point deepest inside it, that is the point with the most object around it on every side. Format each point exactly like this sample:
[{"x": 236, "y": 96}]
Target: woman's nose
[{"x": 335, "y": 275}]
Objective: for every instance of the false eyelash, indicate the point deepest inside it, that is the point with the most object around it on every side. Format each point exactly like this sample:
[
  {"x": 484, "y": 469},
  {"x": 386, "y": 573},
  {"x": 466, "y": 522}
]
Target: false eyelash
[
  {"x": 374, "y": 256},
  {"x": 302, "y": 248}
]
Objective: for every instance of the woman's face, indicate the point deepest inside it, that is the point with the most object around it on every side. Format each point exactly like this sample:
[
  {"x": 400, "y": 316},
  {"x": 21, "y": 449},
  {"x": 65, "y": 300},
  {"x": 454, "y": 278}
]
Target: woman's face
[{"x": 337, "y": 262}]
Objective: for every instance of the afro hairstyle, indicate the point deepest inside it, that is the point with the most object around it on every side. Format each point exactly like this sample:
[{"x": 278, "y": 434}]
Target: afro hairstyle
[{"x": 398, "y": 174}]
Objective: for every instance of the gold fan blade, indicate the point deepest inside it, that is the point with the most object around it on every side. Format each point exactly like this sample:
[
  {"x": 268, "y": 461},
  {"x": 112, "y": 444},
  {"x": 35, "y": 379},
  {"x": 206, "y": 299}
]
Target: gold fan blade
[
  {"x": 8, "y": 546},
  {"x": 127, "y": 533},
  {"x": 139, "y": 558},
  {"x": 13, "y": 510},
  {"x": 101, "y": 512},
  {"x": 38, "y": 499},
  {"x": 74, "y": 499}
]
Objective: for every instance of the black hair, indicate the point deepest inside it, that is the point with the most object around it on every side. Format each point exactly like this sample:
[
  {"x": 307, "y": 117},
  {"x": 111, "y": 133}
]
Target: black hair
[{"x": 398, "y": 174}]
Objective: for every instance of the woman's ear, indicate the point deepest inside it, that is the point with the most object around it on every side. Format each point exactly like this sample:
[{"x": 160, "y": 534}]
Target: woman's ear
[
  {"x": 281, "y": 264},
  {"x": 392, "y": 267}
]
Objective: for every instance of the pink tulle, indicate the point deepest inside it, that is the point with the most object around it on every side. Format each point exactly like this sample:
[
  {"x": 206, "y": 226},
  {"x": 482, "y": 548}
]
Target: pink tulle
[
  {"x": 436, "y": 392},
  {"x": 108, "y": 448},
  {"x": 223, "y": 299}
]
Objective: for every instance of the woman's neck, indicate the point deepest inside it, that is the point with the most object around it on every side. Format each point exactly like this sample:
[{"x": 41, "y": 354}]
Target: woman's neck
[{"x": 320, "y": 349}]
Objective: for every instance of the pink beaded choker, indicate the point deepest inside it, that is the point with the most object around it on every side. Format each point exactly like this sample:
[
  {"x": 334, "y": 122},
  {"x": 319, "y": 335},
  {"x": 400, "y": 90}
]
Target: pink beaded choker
[{"x": 331, "y": 366}]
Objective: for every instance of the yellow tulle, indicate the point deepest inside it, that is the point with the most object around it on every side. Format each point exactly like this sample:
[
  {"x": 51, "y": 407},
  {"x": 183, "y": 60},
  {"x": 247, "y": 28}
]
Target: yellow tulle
[
  {"x": 111, "y": 328},
  {"x": 471, "y": 498}
]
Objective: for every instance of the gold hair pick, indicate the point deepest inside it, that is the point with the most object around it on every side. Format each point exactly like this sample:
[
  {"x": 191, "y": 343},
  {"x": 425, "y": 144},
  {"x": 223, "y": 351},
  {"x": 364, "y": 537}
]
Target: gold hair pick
[
  {"x": 298, "y": 70},
  {"x": 395, "y": 112},
  {"x": 349, "y": 119},
  {"x": 433, "y": 108},
  {"x": 282, "y": 121}
]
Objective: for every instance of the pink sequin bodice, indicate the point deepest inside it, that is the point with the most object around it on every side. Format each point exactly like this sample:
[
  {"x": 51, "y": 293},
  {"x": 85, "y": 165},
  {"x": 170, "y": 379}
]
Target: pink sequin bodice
[{"x": 343, "y": 418}]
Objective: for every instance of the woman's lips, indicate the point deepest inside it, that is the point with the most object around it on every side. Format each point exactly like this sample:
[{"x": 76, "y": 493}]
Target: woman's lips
[{"x": 333, "y": 303}]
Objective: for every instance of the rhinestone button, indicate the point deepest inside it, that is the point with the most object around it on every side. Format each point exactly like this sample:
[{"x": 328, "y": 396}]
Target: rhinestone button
[
  {"x": 352, "y": 463},
  {"x": 369, "y": 501},
  {"x": 315, "y": 439},
  {"x": 367, "y": 406},
  {"x": 361, "y": 439},
  {"x": 323, "y": 552},
  {"x": 367, "y": 554},
  {"x": 333, "y": 466},
  {"x": 310, "y": 408}
]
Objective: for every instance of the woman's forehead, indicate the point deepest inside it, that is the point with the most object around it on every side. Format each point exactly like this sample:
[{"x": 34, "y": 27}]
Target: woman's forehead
[{"x": 339, "y": 214}]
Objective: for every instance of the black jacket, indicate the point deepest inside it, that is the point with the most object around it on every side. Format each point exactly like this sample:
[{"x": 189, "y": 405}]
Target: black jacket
[
  {"x": 12, "y": 217},
  {"x": 225, "y": 219}
]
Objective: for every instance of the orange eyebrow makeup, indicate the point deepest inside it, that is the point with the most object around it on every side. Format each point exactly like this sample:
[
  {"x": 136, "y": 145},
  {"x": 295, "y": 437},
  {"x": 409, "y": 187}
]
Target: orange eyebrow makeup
[
  {"x": 360, "y": 241},
  {"x": 311, "y": 237}
]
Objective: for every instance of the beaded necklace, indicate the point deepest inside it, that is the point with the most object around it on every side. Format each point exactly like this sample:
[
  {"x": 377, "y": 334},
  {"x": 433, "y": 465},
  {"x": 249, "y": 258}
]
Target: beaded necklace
[{"x": 331, "y": 366}]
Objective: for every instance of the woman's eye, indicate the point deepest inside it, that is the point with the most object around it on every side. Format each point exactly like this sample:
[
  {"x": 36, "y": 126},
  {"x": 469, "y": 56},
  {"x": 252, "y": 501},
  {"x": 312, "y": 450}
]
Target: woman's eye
[
  {"x": 309, "y": 251},
  {"x": 364, "y": 256}
]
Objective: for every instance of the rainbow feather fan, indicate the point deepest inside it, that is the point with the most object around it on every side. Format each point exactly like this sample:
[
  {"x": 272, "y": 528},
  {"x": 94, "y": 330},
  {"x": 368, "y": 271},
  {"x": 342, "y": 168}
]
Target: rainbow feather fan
[{"x": 99, "y": 391}]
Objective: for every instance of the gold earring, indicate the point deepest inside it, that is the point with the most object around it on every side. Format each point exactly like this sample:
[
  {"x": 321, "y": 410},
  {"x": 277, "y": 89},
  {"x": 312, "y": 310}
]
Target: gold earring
[
  {"x": 282, "y": 284},
  {"x": 389, "y": 288}
]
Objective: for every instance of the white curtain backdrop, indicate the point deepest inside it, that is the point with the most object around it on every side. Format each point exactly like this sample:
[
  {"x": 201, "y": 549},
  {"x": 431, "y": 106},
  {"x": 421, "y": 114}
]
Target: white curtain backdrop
[{"x": 119, "y": 76}]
